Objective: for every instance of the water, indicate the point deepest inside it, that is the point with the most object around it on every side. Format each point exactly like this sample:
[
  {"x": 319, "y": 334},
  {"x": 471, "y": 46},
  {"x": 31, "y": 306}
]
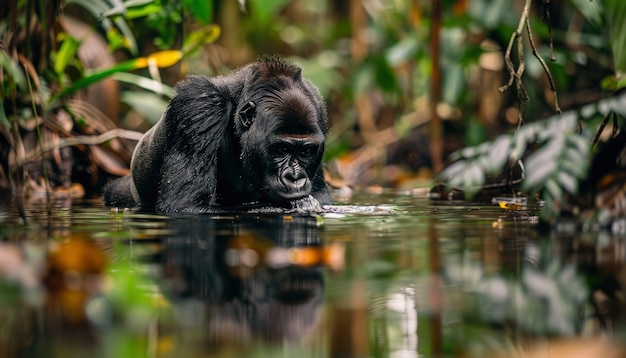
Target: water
[{"x": 376, "y": 276}]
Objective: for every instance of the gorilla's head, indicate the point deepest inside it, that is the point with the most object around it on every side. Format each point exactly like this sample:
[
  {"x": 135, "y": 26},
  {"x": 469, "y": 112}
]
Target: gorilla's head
[{"x": 283, "y": 124}]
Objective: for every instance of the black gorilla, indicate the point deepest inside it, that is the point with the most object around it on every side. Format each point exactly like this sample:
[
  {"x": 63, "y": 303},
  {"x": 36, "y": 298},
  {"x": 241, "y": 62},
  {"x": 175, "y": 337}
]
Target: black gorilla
[{"x": 252, "y": 138}]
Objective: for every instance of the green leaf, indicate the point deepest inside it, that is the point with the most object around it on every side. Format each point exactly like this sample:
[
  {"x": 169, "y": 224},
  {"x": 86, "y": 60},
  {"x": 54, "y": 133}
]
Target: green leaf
[
  {"x": 98, "y": 8},
  {"x": 363, "y": 78},
  {"x": 575, "y": 168},
  {"x": 574, "y": 156},
  {"x": 591, "y": 10},
  {"x": 132, "y": 9},
  {"x": 265, "y": 10},
  {"x": 198, "y": 38},
  {"x": 142, "y": 11},
  {"x": 115, "y": 39},
  {"x": 14, "y": 71},
  {"x": 202, "y": 10},
  {"x": 402, "y": 51},
  {"x": 568, "y": 182},
  {"x": 453, "y": 171},
  {"x": 160, "y": 59},
  {"x": 496, "y": 12},
  {"x": 385, "y": 75},
  {"x": 475, "y": 178},
  {"x": 475, "y": 132},
  {"x": 616, "y": 14},
  {"x": 456, "y": 155},
  {"x": 553, "y": 188},
  {"x": 469, "y": 152},
  {"x": 529, "y": 132},
  {"x": 542, "y": 164},
  {"x": 94, "y": 77},
  {"x": 453, "y": 83},
  {"x": 146, "y": 83},
  {"x": 149, "y": 105},
  {"x": 134, "y": 3},
  {"x": 581, "y": 143},
  {"x": 130, "y": 41},
  {"x": 66, "y": 54},
  {"x": 519, "y": 147},
  {"x": 498, "y": 154}
]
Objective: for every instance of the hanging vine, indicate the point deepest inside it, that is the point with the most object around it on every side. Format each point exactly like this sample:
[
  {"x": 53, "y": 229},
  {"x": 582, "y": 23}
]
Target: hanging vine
[{"x": 517, "y": 39}]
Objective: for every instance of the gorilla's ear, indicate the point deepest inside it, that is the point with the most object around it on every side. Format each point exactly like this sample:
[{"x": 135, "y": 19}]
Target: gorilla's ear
[
  {"x": 297, "y": 74},
  {"x": 247, "y": 114}
]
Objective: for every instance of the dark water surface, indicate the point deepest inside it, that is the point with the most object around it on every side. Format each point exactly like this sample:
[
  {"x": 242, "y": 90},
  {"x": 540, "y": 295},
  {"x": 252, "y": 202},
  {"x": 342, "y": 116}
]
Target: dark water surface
[{"x": 387, "y": 276}]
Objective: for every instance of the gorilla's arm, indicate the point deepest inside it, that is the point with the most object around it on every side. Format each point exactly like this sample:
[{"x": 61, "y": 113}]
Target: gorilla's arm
[
  {"x": 195, "y": 126},
  {"x": 146, "y": 165}
]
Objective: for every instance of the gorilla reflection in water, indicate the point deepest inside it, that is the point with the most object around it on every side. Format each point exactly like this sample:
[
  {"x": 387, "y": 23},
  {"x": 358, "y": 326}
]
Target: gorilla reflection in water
[{"x": 226, "y": 264}]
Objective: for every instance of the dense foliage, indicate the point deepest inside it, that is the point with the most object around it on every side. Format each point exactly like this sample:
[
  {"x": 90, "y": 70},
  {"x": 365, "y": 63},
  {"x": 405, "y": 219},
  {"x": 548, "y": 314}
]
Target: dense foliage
[{"x": 373, "y": 61}]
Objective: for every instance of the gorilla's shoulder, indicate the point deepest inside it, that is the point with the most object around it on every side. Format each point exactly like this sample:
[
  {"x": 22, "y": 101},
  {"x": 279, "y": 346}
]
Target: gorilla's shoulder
[{"x": 200, "y": 88}]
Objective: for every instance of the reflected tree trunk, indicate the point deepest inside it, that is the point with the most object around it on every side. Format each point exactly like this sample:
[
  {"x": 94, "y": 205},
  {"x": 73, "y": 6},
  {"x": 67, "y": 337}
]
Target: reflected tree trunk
[{"x": 436, "y": 130}]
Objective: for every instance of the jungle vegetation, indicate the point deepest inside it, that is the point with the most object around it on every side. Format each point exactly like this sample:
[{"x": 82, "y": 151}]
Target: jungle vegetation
[{"x": 466, "y": 92}]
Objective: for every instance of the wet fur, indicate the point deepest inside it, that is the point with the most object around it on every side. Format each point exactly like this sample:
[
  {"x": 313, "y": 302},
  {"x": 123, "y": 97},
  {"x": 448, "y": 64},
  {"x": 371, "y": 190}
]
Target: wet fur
[{"x": 200, "y": 156}]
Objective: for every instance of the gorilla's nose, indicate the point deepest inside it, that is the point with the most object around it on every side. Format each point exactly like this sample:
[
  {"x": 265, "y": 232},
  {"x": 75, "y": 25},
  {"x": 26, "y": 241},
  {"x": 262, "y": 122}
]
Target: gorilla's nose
[
  {"x": 299, "y": 183},
  {"x": 294, "y": 179}
]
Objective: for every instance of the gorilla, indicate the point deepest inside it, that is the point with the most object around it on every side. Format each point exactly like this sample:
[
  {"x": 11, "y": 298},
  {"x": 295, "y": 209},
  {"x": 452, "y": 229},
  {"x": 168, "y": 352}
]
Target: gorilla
[{"x": 252, "y": 138}]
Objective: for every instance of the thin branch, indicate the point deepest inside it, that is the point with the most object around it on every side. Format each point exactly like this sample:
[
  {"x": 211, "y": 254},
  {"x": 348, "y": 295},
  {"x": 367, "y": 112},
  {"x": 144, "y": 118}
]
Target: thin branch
[
  {"x": 596, "y": 138},
  {"x": 80, "y": 140},
  {"x": 546, "y": 14},
  {"x": 544, "y": 65},
  {"x": 509, "y": 63},
  {"x": 507, "y": 56},
  {"x": 516, "y": 38},
  {"x": 521, "y": 90}
]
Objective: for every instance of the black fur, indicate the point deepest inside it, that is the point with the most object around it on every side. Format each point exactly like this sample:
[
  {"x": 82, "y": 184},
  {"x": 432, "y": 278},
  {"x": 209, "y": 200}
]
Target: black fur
[{"x": 254, "y": 137}]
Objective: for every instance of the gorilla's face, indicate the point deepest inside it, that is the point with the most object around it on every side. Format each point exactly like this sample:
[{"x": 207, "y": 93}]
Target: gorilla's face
[
  {"x": 293, "y": 161},
  {"x": 288, "y": 145}
]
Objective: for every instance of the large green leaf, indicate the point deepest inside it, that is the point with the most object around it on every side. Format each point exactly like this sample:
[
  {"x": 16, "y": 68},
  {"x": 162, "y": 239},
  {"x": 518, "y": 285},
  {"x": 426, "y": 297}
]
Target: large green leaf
[
  {"x": 542, "y": 163},
  {"x": 146, "y": 83},
  {"x": 591, "y": 10},
  {"x": 560, "y": 159},
  {"x": 159, "y": 59}
]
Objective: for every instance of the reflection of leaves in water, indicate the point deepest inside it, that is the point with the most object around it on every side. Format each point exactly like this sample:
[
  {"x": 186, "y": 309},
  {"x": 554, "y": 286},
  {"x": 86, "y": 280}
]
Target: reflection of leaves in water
[
  {"x": 560, "y": 294},
  {"x": 541, "y": 300}
]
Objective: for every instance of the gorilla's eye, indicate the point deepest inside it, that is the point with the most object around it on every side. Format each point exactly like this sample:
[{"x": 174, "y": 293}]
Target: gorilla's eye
[
  {"x": 307, "y": 151},
  {"x": 282, "y": 148}
]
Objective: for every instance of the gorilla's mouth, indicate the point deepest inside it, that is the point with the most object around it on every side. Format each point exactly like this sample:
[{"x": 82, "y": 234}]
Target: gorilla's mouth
[
  {"x": 288, "y": 197},
  {"x": 284, "y": 193}
]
